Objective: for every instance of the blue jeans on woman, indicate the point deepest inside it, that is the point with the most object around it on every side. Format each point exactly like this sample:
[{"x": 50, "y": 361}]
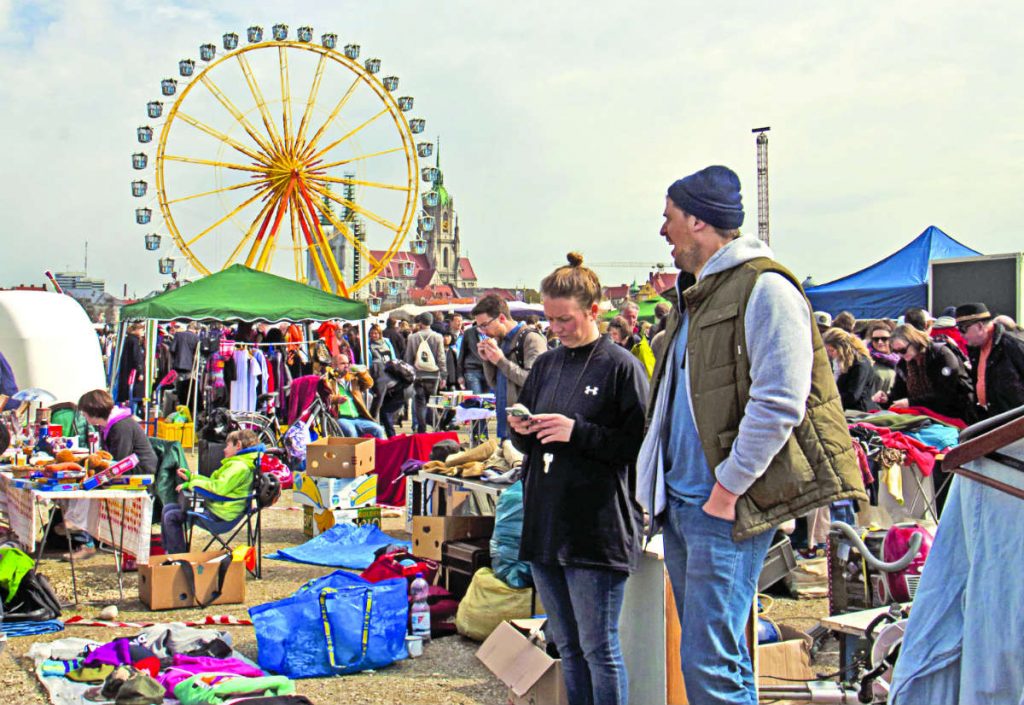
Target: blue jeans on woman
[
  {"x": 714, "y": 579},
  {"x": 583, "y": 606}
]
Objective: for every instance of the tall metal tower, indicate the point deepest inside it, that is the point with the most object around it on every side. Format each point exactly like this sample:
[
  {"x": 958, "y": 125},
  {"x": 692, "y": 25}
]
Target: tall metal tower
[{"x": 762, "y": 183}]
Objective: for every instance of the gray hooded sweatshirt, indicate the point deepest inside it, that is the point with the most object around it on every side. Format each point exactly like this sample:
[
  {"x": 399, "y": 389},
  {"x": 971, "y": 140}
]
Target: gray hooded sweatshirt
[{"x": 778, "y": 343}]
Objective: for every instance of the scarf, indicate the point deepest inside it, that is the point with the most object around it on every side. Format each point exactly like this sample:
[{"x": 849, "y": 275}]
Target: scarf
[
  {"x": 917, "y": 379},
  {"x": 118, "y": 414},
  {"x": 887, "y": 359}
]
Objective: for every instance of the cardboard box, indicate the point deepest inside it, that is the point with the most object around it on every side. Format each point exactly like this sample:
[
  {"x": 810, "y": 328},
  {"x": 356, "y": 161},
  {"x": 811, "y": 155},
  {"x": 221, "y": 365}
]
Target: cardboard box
[
  {"x": 340, "y": 457},
  {"x": 446, "y": 500},
  {"x": 317, "y": 520},
  {"x": 789, "y": 658},
  {"x": 334, "y": 492},
  {"x": 428, "y": 533},
  {"x": 184, "y": 433},
  {"x": 533, "y": 677},
  {"x": 166, "y": 587}
]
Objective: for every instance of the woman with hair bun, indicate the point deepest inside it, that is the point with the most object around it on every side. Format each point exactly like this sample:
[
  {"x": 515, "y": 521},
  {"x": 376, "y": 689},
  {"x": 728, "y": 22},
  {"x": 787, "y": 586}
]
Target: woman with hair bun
[{"x": 581, "y": 529}]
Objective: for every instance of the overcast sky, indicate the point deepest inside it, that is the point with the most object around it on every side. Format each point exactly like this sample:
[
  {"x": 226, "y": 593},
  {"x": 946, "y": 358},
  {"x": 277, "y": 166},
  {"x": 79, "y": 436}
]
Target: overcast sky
[{"x": 562, "y": 123}]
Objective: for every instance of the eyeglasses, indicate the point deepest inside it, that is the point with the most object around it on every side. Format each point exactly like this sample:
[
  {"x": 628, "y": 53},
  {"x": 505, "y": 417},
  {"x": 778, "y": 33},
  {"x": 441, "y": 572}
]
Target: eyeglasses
[
  {"x": 964, "y": 327},
  {"x": 880, "y": 339},
  {"x": 900, "y": 351},
  {"x": 486, "y": 324}
]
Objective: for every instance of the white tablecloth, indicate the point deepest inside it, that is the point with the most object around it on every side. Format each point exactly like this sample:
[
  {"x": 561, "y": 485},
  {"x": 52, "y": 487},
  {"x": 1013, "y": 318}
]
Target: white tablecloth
[{"x": 26, "y": 511}]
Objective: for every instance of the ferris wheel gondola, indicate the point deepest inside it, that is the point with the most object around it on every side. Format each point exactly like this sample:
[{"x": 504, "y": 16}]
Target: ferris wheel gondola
[{"x": 258, "y": 143}]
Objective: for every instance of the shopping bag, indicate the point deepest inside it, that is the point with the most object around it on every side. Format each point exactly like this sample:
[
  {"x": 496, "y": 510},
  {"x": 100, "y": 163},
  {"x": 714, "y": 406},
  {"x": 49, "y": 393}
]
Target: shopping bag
[
  {"x": 390, "y": 565},
  {"x": 333, "y": 625}
]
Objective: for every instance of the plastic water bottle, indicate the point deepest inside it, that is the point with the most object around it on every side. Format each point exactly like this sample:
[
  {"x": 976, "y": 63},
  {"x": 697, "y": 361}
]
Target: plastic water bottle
[{"x": 419, "y": 611}]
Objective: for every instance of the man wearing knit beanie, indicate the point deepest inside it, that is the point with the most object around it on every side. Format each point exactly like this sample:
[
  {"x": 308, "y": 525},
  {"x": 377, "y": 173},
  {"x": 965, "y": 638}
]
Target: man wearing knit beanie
[{"x": 745, "y": 428}]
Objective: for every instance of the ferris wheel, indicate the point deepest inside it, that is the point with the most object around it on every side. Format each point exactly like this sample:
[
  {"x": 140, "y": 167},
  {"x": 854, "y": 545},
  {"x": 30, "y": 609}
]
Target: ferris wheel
[{"x": 283, "y": 148}]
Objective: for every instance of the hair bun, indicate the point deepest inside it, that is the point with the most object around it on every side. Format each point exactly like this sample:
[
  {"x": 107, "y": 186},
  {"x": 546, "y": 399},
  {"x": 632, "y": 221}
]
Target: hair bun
[{"x": 575, "y": 259}]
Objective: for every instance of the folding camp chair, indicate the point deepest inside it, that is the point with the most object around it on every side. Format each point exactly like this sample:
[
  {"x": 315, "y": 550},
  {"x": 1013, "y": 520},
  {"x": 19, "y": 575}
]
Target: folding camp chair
[{"x": 250, "y": 519}]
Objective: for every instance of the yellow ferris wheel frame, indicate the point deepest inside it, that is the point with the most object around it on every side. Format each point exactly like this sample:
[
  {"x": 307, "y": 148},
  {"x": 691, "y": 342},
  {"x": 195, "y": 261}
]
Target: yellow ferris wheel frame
[{"x": 288, "y": 174}]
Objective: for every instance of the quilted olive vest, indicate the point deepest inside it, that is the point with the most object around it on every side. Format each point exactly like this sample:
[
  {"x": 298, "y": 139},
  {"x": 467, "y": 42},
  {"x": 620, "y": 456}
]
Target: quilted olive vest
[{"x": 818, "y": 464}]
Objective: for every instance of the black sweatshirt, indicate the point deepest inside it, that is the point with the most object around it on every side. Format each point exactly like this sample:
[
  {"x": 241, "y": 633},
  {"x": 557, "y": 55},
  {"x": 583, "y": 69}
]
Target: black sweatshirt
[{"x": 582, "y": 512}]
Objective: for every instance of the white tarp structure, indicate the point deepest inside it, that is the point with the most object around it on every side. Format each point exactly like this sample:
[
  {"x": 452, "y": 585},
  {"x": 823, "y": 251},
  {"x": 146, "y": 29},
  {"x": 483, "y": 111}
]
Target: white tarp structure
[
  {"x": 518, "y": 309},
  {"x": 50, "y": 343}
]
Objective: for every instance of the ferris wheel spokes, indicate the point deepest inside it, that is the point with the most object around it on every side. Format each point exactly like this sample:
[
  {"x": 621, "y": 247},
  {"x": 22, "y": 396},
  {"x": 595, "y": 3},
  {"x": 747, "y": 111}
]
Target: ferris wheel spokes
[
  {"x": 249, "y": 233},
  {"x": 348, "y": 134},
  {"x": 355, "y": 207},
  {"x": 346, "y": 232},
  {"x": 331, "y": 165},
  {"x": 238, "y": 209},
  {"x": 315, "y": 139},
  {"x": 235, "y": 112},
  {"x": 261, "y": 103},
  {"x": 314, "y": 91},
  {"x": 209, "y": 162},
  {"x": 358, "y": 182},
  {"x": 243, "y": 184},
  {"x": 227, "y": 139},
  {"x": 286, "y": 100}
]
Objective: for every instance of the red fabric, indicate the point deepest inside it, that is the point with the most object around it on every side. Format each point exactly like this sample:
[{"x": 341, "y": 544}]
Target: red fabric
[
  {"x": 953, "y": 334},
  {"x": 389, "y": 566},
  {"x": 862, "y": 461},
  {"x": 150, "y": 664},
  {"x": 925, "y": 411},
  {"x": 328, "y": 331},
  {"x": 391, "y": 453},
  {"x": 918, "y": 453},
  {"x": 302, "y": 393}
]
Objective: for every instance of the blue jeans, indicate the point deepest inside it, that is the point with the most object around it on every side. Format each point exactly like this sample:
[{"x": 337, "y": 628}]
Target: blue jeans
[
  {"x": 476, "y": 381},
  {"x": 714, "y": 580},
  {"x": 353, "y": 428},
  {"x": 583, "y": 606},
  {"x": 172, "y": 528}
]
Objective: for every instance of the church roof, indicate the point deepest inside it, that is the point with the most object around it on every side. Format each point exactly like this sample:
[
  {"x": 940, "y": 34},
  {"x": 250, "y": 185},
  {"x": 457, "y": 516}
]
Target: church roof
[{"x": 466, "y": 272}]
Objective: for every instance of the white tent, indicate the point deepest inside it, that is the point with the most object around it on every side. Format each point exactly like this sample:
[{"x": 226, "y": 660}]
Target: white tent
[
  {"x": 50, "y": 343},
  {"x": 518, "y": 309}
]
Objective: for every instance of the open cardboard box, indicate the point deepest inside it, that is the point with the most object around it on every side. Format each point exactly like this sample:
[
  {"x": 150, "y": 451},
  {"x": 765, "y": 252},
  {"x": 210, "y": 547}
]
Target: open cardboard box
[
  {"x": 533, "y": 677},
  {"x": 429, "y": 533},
  {"x": 789, "y": 658},
  {"x": 332, "y": 456},
  {"x": 166, "y": 587}
]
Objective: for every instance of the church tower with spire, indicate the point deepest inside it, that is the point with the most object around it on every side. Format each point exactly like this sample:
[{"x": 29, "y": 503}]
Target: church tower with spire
[{"x": 443, "y": 245}]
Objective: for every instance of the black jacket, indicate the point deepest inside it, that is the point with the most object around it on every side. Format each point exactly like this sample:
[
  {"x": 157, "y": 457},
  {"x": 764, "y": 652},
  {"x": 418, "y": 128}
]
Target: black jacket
[
  {"x": 183, "y": 350},
  {"x": 397, "y": 340},
  {"x": 582, "y": 512},
  {"x": 133, "y": 357},
  {"x": 127, "y": 437},
  {"x": 856, "y": 386},
  {"x": 950, "y": 390},
  {"x": 469, "y": 358},
  {"x": 1004, "y": 371}
]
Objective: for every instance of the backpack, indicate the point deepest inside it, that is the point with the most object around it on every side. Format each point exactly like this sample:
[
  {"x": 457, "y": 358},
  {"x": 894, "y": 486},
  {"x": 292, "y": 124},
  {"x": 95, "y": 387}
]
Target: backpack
[
  {"x": 425, "y": 360},
  {"x": 35, "y": 600},
  {"x": 519, "y": 345},
  {"x": 401, "y": 371}
]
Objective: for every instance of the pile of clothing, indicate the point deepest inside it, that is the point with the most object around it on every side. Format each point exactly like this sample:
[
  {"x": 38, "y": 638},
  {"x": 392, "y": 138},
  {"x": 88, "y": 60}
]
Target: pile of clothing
[
  {"x": 192, "y": 666},
  {"x": 885, "y": 441},
  {"x": 490, "y": 461}
]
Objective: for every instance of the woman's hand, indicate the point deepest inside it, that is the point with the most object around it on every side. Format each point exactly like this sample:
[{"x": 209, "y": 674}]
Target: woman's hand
[
  {"x": 900, "y": 402},
  {"x": 520, "y": 424},
  {"x": 880, "y": 397},
  {"x": 183, "y": 473},
  {"x": 552, "y": 428}
]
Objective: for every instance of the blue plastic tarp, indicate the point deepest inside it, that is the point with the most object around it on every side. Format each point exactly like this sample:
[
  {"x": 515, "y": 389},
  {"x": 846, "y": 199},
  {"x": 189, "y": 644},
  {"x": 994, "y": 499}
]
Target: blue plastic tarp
[
  {"x": 890, "y": 286},
  {"x": 341, "y": 546}
]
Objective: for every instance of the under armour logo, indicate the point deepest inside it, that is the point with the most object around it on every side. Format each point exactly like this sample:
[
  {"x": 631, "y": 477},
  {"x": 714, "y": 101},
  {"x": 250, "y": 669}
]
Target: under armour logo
[{"x": 592, "y": 391}]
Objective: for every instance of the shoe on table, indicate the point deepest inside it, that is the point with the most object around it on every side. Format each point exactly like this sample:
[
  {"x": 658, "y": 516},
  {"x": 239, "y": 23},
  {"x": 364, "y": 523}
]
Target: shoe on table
[{"x": 80, "y": 554}]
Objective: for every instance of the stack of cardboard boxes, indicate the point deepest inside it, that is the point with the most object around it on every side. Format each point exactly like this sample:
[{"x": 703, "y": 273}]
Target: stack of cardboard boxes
[{"x": 337, "y": 484}]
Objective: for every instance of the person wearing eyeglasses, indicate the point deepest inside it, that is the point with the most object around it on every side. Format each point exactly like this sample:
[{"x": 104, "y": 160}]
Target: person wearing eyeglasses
[
  {"x": 930, "y": 375},
  {"x": 883, "y": 359},
  {"x": 997, "y": 359}
]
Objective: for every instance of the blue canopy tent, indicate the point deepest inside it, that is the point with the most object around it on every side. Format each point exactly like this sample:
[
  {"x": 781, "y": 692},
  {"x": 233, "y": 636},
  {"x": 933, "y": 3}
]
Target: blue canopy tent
[{"x": 889, "y": 287}]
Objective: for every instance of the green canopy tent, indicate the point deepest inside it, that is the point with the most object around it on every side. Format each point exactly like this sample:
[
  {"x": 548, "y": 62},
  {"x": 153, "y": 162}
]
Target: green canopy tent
[
  {"x": 242, "y": 294},
  {"x": 646, "y": 312},
  {"x": 238, "y": 293}
]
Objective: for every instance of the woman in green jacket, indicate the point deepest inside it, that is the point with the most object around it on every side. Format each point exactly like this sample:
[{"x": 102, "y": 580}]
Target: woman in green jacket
[{"x": 232, "y": 479}]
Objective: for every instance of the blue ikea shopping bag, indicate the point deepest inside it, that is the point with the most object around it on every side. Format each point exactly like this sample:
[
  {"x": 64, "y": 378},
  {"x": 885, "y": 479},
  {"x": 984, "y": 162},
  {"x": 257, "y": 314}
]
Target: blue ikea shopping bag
[{"x": 333, "y": 625}]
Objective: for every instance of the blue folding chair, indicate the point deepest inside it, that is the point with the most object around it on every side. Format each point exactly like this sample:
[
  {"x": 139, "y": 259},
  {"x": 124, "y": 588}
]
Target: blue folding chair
[{"x": 250, "y": 519}]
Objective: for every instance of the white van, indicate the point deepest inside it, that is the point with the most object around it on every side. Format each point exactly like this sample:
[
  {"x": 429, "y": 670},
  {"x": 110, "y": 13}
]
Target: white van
[{"x": 50, "y": 343}]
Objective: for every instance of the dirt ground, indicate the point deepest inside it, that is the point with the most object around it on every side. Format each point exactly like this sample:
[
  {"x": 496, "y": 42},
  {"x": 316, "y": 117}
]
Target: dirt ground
[{"x": 447, "y": 673}]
